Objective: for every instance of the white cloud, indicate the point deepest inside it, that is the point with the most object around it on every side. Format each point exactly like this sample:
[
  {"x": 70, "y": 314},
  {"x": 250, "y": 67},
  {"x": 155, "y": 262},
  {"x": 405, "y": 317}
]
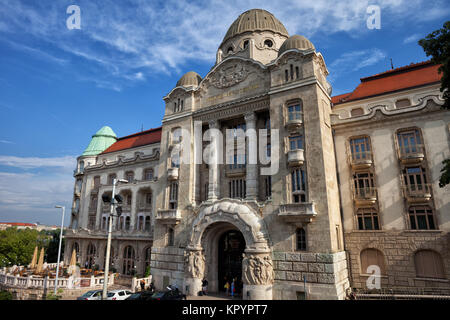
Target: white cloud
[
  {"x": 6, "y": 142},
  {"x": 67, "y": 162},
  {"x": 412, "y": 38},
  {"x": 129, "y": 41}
]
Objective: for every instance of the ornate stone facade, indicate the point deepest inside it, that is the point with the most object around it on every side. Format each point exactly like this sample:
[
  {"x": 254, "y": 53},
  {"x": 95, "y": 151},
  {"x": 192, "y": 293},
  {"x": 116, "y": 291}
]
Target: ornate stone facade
[{"x": 303, "y": 230}]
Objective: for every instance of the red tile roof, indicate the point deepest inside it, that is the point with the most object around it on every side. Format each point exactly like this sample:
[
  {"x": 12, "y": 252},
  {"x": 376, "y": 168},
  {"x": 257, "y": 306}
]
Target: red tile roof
[
  {"x": 414, "y": 75},
  {"x": 21, "y": 224},
  {"x": 136, "y": 140}
]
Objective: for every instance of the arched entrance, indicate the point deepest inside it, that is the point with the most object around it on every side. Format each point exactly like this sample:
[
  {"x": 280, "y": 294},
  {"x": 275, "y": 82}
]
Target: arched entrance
[
  {"x": 212, "y": 225},
  {"x": 230, "y": 253}
]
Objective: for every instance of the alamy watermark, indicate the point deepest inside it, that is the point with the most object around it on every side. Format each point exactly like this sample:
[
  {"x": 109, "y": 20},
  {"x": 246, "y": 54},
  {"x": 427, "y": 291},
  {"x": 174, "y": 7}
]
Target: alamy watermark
[
  {"x": 74, "y": 20},
  {"x": 374, "y": 19}
]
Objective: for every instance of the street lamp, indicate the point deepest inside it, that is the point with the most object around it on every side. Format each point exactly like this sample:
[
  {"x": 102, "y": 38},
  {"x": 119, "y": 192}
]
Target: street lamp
[
  {"x": 59, "y": 248},
  {"x": 108, "y": 245}
]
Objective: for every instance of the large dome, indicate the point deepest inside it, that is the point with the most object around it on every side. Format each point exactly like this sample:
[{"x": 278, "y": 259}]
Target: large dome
[
  {"x": 255, "y": 20},
  {"x": 191, "y": 78},
  {"x": 296, "y": 42}
]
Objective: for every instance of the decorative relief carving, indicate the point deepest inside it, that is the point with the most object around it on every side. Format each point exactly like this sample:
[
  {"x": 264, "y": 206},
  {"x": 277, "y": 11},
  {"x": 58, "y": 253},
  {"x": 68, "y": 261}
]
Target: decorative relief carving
[
  {"x": 257, "y": 269},
  {"x": 195, "y": 264},
  {"x": 229, "y": 76}
]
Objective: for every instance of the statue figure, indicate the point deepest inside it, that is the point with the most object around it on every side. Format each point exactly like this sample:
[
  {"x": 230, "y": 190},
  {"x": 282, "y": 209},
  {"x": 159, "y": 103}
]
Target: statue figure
[
  {"x": 195, "y": 264},
  {"x": 257, "y": 270}
]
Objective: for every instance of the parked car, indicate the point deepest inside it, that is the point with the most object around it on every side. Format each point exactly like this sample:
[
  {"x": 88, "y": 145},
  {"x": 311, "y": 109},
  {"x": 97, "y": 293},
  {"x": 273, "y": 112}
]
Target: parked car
[
  {"x": 141, "y": 295},
  {"x": 118, "y": 294},
  {"x": 91, "y": 295},
  {"x": 168, "y": 295}
]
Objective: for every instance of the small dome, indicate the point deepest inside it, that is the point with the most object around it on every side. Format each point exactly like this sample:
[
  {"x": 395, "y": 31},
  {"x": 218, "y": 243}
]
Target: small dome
[
  {"x": 189, "y": 79},
  {"x": 100, "y": 141},
  {"x": 255, "y": 20},
  {"x": 296, "y": 42}
]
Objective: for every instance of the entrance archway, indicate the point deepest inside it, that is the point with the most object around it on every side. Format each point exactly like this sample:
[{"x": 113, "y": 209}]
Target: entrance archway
[{"x": 230, "y": 253}]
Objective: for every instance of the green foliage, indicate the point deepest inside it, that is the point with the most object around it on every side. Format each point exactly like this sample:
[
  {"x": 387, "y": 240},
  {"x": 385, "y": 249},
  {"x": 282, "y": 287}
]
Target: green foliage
[
  {"x": 57, "y": 296},
  {"x": 147, "y": 272},
  {"x": 437, "y": 45},
  {"x": 17, "y": 246},
  {"x": 5, "y": 295},
  {"x": 53, "y": 246}
]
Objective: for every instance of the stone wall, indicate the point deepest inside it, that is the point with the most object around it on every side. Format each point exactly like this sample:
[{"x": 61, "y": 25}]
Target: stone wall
[
  {"x": 167, "y": 264},
  {"x": 398, "y": 249},
  {"x": 326, "y": 274}
]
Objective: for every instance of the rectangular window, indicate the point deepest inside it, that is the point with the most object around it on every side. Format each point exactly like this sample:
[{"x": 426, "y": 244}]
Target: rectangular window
[
  {"x": 173, "y": 195},
  {"x": 268, "y": 186},
  {"x": 360, "y": 148},
  {"x": 148, "y": 174},
  {"x": 298, "y": 181},
  {"x": 409, "y": 142},
  {"x": 421, "y": 218},
  {"x": 96, "y": 182},
  {"x": 364, "y": 184},
  {"x": 295, "y": 112},
  {"x": 415, "y": 181},
  {"x": 367, "y": 219},
  {"x": 237, "y": 188},
  {"x": 296, "y": 142}
]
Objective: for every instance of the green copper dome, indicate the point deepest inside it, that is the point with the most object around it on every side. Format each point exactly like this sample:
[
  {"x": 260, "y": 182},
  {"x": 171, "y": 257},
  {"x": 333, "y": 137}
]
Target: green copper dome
[{"x": 101, "y": 141}]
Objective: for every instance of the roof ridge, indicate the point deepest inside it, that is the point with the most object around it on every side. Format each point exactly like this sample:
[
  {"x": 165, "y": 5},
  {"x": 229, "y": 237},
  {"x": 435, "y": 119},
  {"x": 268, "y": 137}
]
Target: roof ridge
[
  {"x": 139, "y": 133},
  {"x": 396, "y": 70}
]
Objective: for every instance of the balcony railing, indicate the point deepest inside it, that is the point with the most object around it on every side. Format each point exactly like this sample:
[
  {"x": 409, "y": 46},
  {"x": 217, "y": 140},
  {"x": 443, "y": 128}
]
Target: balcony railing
[
  {"x": 361, "y": 160},
  {"x": 295, "y": 157},
  {"x": 295, "y": 120},
  {"x": 172, "y": 173},
  {"x": 365, "y": 196},
  {"x": 235, "y": 170},
  {"x": 417, "y": 192},
  {"x": 168, "y": 216},
  {"x": 294, "y": 213},
  {"x": 412, "y": 153}
]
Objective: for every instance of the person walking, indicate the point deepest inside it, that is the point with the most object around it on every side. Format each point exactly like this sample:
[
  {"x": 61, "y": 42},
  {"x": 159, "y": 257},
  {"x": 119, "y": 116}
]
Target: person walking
[
  {"x": 232, "y": 287},
  {"x": 205, "y": 286},
  {"x": 151, "y": 287},
  {"x": 227, "y": 288},
  {"x": 142, "y": 285}
]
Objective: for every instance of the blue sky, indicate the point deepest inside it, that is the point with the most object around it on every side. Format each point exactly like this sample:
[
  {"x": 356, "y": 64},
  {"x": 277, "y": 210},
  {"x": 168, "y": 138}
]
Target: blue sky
[{"x": 59, "y": 86}]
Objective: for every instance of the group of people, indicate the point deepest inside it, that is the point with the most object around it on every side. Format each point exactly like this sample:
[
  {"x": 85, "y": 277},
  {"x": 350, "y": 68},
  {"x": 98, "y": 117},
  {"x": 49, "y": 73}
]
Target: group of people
[
  {"x": 232, "y": 288},
  {"x": 151, "y": 287}
]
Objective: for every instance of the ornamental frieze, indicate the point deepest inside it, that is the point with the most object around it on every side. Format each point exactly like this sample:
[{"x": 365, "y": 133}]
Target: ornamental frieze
[{"x": 229, "y": 76}]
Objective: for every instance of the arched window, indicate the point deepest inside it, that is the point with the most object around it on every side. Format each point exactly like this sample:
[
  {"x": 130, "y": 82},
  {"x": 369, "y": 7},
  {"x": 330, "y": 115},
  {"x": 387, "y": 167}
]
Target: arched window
[
  {"x": 170, "y": 237},
  {"x": 111, "y": 177},
  {"x": 295, "y": 111},
  {"x": 268, "y": 43},
  {"x": 230, "y": 50},
  {"x": 120, "y": 223},
  {"x": 129, "y": 176},
  {"x": 81, "y": 166},
  {"x": 409, "y": 142},
  {"x": 128, "y": 260},
  {"x": 173, "y": 195},
  {"x": 127, "y": 223},
  {"x": 298, "y": 181},
  {"x": 429, "y": 264},
  {"x": 147, "y": 223},
  {"x": 90, "y": 257},
  {"x": 147, "y": 258},
  {"x": 246, "y": 42},
  {"x": 104, "y": 224},
  {"x": 141, "y": 223},
  {"x": 370, "y": 257},
  {"x": 148, "y": 174},
  {"x": 301, "y": 239}
]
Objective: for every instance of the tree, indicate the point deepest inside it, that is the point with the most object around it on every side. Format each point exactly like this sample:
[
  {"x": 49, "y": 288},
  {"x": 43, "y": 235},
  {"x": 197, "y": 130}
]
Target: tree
[
  {"x": 17, "y": 246},
  {"x": 437, "y": 45},
  {"x": 53, "y": 245}
]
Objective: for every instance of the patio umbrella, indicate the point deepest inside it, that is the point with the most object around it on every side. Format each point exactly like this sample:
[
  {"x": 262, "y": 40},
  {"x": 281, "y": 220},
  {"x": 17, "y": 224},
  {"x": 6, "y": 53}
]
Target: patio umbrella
[
  {"x": 41, "y": 262},
  {"x": 73, "y": 260},
  {"x": 34, "y": 260}
]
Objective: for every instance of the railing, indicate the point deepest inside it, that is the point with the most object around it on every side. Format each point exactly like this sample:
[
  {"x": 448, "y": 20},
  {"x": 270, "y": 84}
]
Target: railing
[
  {"x": 411, "y": 153},
  {"x": 171, "y": 216},
  {"x": 403, "y": 293},
  {"x": 417, "y": 192},
  {"x": 296, "y": 157},
  {"x": 136, "y": 283},
  {"x": 235, "y": 169},
  {"x": 297, "y": 212},
  {"x": 361, "y": 160},
  {"x": 366, "y": 193}
]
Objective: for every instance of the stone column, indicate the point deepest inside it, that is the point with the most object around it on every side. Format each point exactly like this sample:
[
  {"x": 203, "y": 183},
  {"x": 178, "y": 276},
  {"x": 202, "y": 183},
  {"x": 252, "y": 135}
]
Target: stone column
[
  {"x": 252, "y": 155},
  {"x": 194, "y": 268},
  {"x": 257, "y": 275},
  {"x": 214, "y": 174}
]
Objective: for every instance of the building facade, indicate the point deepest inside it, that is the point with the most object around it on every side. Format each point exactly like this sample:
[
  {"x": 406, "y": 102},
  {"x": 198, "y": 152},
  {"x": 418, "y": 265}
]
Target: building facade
[{"x": 340, "y": 184}]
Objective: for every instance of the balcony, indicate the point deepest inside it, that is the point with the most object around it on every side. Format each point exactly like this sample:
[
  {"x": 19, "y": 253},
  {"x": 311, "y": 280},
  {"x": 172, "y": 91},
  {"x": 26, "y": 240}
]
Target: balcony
[
  {"x": 361, "y": 160},
  {"x": 172, "y": 173},
  {"x": 411, "y": 154},
  {"x": 77, "y": 172},
  {"x": 295, "y": 157},
  {"x": 294, "y": 122},
  {"x": 235, "y": 170},
  {"x": 144, "y": 208},
  {"x": 168, "y": 216},
  {"x": 297, "y": 213},
  {"x": 365, "y": 196},
  {"x": 418, "y": 193}
]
